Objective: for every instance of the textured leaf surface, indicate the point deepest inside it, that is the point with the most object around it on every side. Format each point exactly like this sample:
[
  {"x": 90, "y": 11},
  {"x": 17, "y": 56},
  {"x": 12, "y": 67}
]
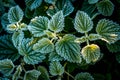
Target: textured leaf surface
[
  {"x": 6, "y": 66},
  {"x": 81, "y": 39},
  {"x": 44, "y": 46},
  {"x": 64, "y": 5},
  {"x": 93, "y": 37},
  {"x": 17, "y": 73},
  {"x": 92, "y": 1},
  {"x": 56, "y": 68},
  {"x": 51, "y": 1},
  {"x": 32, "y": 4},
  {"x": 38, "y": 25},
  {"x": 53, "y": 56},
  {"x": 84, "y": 76},
  {"x": 105, "y": 7},
  {"x": 30, "y": 56},
  {"x": 7, "y": 49},
  {"x": 32, "y": 75},
  {"x": 17, "y": 37},
  {"x": 56, "y": 23},
  {"x": 4, "y": 21},
  {"x": 83, "y": 22},
  {"x": 114, "y": 47},
  {"x": 44, "y": 73},
  {"x": 68, "y": 49},
  {"x": 91, "y": 53},
  {"x": 109, "y": 30},
  {"x": 15, "y": 14},
  {"x": 11, "y": 27}
]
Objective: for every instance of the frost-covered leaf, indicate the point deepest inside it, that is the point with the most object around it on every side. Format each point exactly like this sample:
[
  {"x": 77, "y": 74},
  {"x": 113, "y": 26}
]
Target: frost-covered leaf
[
  {"x": 108, "y": 30},
  {"x": 91, "y": 53},
  {"x": 32, "y": 75},
  {"x": 83, "y": 22},
  {"x": 68, "y": 49},
  {"x": 56, "y": 68},
  {"x": 17, "y": 38},
  {"x": 4, "y": 20},
  {"x": 6, "y": 66},
  {"x": 17, "y": 73},
  {"x": 30, "y": 56},
  {"x": 93, "y": 37},
  {"x": 44, "y": 73},
  {"x": 44, "y": 46},
  {"x": 56, "y": 23},
  {"x": 38, "y": 25},
  {"x": 53, "y": 56},
  {"x": 11, "y": 28},
  {"x": 114, "y": 47},
  {"x": 92, "y": 1},
  {"x": 15, "y": 14},
  {"x": 81, "y": 39},
  {"x": 64, "y": 5},
  {"x": 32, "y": 4},
  {"x": 84, "y": 76},
  {"x": 7, "y": 49},
  {"x": 105, "y": 7},
  {"x": 50, "y": 1}
]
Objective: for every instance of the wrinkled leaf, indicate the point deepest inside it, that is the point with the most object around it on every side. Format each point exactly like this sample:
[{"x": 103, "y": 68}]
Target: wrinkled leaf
[
  {"x": 105, "y": 7},
  {"x": 83, "y": 22},
  {"x": 56, "y": 23},
  {"x": 68, "y": 49},
  {"x": 38, "y": 25},
  {"x": 84, "y": 76},
  {"x": 93, "y": 37},
  {"x": 108, "y": 30},
  {"x": 44, "y": 46},
  {"x": 32, "y": 75},
  {"x": 56, "y": 68},
  {"x": 91, "y": 53},
  {"x": 15, "y": 14},
  {"x": 6, "y": 66},
  {"x": 30, "y": 56},
  {"x": 92, "y": 1}
]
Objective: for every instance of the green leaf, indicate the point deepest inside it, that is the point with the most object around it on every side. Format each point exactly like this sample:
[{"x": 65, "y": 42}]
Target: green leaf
[
  {"x": 8, "y": 3},
  {"x": 93, "y": 37},
  {"x": 29, "y": 13},
  {"x": 64, "y": 5},
  {"x": 84, "y": 76},
  {"x": 114, "y": 48},
  {"x": 108, "y": 30},
  {"x": 83, "y": 22},
  {"x": 44, "y": 73},
  {"x": 17, "y": 37},
  {"x": 53, "y": 56},
  {"x": 44, "y": 46},
  {"x": 56, "y": 23},
  {"x": 105, "y": 7},
  {"x": 30, "y": 56},
  {"x": 32, "y": 75},
  {"x": 38, "y": 25},
  {"x": 15, "y": 14},
  {"x": 33, "y": 4},
  {"x": 6, "y": 66},
  {"x": 92, "y": 1},
  {"x": 68, "y": 49},
  {"x": 56, "y": 68},
  {"x": 4, "y": 78},
  {"x": 17, "y": 73},
  {"x": 4, "y": 20},
  {"x": 50, "y": 1},
  {"x": 91, "y": 53},
  {"x": 7, "y": 49},
  {"x": 81, "y": 39}
]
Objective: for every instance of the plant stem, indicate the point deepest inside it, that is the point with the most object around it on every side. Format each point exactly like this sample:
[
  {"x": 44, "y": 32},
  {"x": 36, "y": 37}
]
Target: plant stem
[
  {"x": 87, "y": 41},
  {"x": 59, "y": 78},
  {"x": 95, "y": 15},
  {"x": 69, "y": 74}
]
